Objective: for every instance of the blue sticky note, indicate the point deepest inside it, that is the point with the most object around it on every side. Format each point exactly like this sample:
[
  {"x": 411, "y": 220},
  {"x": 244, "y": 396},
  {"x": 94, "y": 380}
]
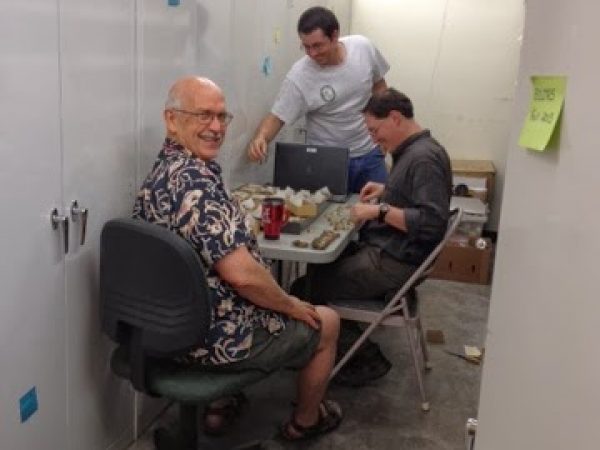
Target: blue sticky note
[
  {"x": 267, "y": 66},
  {"x": 174, "y": 2},
  {"x": 28, "y": 404}
]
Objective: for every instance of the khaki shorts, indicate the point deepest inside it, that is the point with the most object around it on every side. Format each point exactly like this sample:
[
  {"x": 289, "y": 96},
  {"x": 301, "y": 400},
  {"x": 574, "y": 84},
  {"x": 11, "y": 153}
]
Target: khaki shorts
[{"x": 293, "y": 348}]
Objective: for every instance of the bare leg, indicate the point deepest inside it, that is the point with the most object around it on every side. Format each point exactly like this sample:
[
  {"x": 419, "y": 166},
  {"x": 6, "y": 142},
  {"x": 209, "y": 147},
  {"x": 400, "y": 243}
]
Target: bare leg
[{"x": 313, "y": 378}]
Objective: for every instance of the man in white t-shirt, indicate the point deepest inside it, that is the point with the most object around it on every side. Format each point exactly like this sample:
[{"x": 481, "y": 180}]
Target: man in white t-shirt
[{"x": 330, "y": 85}]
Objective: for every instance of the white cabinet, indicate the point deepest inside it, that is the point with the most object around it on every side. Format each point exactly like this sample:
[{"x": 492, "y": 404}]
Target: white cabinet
[
  {"x": 32, "y": 278},
  {"x": 68, "y": 129},
  {"x": 98, "y": 73}
]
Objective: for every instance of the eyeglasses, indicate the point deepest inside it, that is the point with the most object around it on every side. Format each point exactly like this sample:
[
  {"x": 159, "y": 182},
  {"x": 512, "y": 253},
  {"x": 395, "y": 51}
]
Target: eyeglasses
[
  {"x": 317, "y": 47},
  {"x": 375, "y": 128},
  {"x": 205, "y": 116}
]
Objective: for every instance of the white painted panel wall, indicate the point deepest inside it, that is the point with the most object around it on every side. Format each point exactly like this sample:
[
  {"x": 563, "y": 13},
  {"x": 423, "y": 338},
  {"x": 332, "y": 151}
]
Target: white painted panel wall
[
  {"x": 32, "y": 305},
  {"x": 457, "y": 60},
  {"x": 540, "y": 388},
  {"x": 99, "y": 158},
  {"x": 166, "y": 51}
]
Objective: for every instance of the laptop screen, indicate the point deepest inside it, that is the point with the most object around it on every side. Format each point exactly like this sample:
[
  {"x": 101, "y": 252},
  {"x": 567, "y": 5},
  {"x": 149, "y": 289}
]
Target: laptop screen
[{"x": 305, "y": 166}]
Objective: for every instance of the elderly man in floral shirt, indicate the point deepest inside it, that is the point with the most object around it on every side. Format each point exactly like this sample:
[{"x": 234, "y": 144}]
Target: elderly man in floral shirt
[{"x": 255, "y": 324}]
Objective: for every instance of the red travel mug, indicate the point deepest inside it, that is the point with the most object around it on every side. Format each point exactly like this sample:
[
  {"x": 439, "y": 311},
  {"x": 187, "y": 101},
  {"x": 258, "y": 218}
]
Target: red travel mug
[{"x": 274, "y": 216}]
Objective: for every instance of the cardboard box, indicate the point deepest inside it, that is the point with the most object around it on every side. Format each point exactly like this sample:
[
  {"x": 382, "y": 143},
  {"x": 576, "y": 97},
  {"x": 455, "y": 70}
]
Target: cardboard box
[
  {"x": 472, "y": 168},
  {"x": 460, "y": 261}
]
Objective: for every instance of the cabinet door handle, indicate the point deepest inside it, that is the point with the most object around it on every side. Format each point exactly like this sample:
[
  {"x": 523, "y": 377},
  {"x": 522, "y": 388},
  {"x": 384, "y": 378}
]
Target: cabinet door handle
[
  {"x": 79, "y": 215},
  {"x": 57, "y": 220}
]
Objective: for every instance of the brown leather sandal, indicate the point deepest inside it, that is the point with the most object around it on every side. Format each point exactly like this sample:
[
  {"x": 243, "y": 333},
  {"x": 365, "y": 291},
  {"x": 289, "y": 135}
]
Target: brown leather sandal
[{"x": 330, "y": 417}]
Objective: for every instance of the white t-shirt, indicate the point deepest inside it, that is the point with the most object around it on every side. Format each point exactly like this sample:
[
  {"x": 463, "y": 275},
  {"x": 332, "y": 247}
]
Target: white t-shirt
[{"x": 332, "y": 97}]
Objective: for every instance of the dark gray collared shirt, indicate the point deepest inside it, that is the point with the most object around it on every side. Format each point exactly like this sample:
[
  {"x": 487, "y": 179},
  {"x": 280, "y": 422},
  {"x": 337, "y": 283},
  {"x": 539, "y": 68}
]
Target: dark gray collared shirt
[{"x": 420, "y": 183}]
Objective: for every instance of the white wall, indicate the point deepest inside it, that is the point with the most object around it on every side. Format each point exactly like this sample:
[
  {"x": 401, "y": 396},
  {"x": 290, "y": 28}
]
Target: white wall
[
  {"x": 541, "y": 378},
  {"x": 457, "y": 60}
]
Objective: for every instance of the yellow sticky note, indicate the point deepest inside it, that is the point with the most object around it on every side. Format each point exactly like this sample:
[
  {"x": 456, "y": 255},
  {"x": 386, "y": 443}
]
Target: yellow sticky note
[
  {"x": 276, "y": 35},
  {"x": 547, "y": 98}
]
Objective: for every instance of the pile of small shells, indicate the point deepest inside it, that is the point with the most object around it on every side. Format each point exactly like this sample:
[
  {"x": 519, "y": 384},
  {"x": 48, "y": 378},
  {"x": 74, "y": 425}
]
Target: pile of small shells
[
  {"x": 339, "y": 218},
  {"x": 250, "y": 196}
]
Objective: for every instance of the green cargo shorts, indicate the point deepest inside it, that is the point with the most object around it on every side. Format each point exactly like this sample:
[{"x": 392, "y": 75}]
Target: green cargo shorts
[{"x": 291, "y": 349}]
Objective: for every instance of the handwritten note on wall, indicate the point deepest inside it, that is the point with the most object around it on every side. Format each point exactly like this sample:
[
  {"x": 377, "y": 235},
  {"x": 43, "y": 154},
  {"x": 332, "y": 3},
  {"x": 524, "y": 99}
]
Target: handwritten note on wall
[{"x": 544, "y": 111}]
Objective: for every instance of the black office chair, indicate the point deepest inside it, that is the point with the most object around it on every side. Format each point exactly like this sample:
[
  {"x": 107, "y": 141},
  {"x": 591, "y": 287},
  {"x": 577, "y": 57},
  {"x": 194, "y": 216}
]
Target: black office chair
[
  {"x": 155, "y": 303},
  {"x": 399, "y": 310}
]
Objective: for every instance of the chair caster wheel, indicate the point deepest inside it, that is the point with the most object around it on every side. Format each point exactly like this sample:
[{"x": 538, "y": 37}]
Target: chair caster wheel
[
  {"x": 254, "y": 445},
  {"x": 425, "y": 406},
  {"x": 164, "y": 440}
]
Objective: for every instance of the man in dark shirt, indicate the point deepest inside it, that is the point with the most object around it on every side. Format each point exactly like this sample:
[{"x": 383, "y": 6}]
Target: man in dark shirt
[{"x": 403, "y": 219}]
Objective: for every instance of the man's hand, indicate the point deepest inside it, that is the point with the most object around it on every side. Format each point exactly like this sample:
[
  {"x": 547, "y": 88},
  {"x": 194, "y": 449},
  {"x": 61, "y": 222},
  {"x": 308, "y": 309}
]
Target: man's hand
[
  {"x": 361, "y": 212},
  {"x": 257, "y": 150},
  {"x": 370, "y": 191},
  {"x": 266, "y": 131},
  {"x": 305, "y": 312}
]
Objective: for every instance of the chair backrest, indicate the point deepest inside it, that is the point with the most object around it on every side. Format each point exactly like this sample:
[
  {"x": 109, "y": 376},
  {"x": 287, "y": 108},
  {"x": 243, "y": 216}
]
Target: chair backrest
[
  {"x": 453, "y": 222},
  {"x": 426, "y": 266},
  {"x": 344, "y": 306},
  {"x": 152, "y": 285}
]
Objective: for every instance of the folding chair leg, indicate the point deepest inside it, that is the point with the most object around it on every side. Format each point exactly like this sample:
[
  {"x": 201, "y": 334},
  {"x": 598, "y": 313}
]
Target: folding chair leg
[
  {"x": 415, "y": 355},
  {"x": 350, "y": 353},
  {"x": 423, "y": 344}
]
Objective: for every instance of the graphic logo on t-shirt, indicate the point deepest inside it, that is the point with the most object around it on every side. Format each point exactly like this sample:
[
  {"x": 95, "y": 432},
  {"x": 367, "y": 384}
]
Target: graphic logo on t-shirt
[{"x": 327, "y": 93}]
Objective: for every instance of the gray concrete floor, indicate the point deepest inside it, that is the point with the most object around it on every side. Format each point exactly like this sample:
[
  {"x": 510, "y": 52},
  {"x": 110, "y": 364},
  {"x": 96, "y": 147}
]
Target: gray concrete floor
[{"x": 385, "y": 414}]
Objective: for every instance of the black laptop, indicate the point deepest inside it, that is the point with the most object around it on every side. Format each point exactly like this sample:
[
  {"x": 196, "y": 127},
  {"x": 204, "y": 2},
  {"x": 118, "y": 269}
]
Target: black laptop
[{"x": 305, "y": 166}]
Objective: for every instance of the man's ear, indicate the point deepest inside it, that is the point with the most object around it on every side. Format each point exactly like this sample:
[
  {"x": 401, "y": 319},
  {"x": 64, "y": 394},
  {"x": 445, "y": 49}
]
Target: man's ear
[
  {"x": 169, "y": 117},
  {"x": 397, "y": 116},
  {"x": 335, "y": 35}
]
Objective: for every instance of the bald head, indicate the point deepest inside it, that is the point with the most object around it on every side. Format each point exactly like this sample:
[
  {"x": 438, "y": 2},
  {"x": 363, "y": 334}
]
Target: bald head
[
  {"x": 184, "y": 87},
  {"x": 195, "y": 116}
]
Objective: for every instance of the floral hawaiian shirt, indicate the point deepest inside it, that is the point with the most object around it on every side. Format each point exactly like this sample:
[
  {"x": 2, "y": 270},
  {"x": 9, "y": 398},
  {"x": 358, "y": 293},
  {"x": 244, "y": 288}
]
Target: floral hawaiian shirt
[{"x": 187, "y": 195}]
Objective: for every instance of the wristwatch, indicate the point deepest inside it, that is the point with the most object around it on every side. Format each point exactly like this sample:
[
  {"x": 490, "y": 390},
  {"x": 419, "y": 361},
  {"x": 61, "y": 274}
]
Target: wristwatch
[{"x": 384, "y": 208}]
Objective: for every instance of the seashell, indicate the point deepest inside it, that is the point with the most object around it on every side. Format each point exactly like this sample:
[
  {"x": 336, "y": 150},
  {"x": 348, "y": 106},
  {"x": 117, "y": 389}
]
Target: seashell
[
  {"x": 325, "y": 191},
  {"x": 248, "y": 204},
  {"x": 297, "y": 200},
  {"x": 318, "y": 197},
  {"x": 257, "y": 213},
  {"x": 304, "y": 193}
]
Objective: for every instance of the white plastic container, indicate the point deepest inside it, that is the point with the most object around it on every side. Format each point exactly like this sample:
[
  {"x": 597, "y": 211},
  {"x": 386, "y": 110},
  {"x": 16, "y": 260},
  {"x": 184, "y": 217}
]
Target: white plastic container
[{"x": 475, "y": 215}]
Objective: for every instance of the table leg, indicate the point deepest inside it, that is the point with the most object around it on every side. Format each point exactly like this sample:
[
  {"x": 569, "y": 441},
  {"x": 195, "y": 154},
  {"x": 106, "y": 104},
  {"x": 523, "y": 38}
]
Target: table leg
[{"x": 310, "y": 270}]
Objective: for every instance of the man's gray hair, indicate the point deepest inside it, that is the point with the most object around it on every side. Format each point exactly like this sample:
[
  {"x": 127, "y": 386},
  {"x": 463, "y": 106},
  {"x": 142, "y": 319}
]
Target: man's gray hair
[{"x": 173, "y": 100}]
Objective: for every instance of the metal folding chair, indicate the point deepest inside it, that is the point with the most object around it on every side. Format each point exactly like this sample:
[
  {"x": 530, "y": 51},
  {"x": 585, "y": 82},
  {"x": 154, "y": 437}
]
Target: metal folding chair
[{"x": 398, "y": 312}]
